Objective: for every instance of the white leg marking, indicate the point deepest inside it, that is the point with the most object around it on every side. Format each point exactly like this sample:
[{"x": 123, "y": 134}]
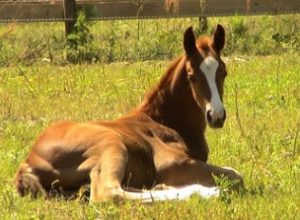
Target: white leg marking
[{"x": 181, "y": 193}]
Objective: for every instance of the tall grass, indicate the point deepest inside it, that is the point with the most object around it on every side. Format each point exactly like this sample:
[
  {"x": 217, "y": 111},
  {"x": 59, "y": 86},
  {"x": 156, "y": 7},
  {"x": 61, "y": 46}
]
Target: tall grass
[{"x": 132, "y": 40}]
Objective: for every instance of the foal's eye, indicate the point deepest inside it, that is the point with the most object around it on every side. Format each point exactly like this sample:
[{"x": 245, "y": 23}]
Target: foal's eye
[{"x": 191, "y": 77}]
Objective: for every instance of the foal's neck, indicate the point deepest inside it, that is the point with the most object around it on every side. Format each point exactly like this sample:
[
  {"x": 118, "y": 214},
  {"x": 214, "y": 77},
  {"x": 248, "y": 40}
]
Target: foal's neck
[{"x": 171, "y": 103}]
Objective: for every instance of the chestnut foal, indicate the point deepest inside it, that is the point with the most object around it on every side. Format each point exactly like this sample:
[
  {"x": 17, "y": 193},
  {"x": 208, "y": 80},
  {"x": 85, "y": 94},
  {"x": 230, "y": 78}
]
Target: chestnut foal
[{"x": 161, "y": 142}]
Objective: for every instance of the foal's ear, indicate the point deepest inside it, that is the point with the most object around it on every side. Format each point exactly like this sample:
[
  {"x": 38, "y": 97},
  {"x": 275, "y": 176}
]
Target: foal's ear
[
  {"x": 189, "y": 42},
  {"x": 218, "y": 39}
]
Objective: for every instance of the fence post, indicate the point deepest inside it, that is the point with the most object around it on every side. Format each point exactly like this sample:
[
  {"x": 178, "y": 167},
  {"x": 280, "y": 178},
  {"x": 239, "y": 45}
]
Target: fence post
[
  {"x": 203, "y": 24},
  {"x": 70, "y": 13}
]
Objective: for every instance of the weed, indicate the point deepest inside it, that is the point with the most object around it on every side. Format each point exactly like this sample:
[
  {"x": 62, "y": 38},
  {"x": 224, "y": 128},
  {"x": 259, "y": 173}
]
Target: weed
[{"x": 80, "y": 42}]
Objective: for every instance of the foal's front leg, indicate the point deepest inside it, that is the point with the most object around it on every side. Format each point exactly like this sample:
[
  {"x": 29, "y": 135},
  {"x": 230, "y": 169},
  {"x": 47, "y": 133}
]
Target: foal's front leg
[
  {"x": 107, "y": 175},
  {"x": 198, "y": 172}
]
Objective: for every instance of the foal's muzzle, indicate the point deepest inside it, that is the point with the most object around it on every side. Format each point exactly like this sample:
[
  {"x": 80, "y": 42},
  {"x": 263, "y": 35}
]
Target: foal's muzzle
[{"x": 216, "y": 120}]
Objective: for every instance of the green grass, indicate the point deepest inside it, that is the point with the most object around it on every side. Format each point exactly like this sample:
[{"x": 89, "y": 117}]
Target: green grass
[
  {"x": 267, "y": 152},
  {"x": 136, "y": 40}
]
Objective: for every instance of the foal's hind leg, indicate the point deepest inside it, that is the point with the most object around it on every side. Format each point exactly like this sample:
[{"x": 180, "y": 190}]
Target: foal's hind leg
[
  {"x": 194, "y": 171},
  {"x": 107, "y": 176}
]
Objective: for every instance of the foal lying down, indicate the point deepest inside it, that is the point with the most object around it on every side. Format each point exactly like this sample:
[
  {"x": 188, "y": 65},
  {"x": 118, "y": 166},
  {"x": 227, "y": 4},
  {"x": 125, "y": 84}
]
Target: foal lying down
[{"x": 161, "y": 142}]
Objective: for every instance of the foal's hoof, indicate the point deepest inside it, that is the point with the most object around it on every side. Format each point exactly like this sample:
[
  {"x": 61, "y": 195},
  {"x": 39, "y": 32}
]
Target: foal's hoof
[
  {"x": 236, "y": 178},
  {"x": 108, "y": 194}
]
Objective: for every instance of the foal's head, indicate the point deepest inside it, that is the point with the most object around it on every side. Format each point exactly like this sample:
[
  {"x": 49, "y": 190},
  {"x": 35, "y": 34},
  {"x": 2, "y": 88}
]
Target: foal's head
[{"x": 206, "y": 73}]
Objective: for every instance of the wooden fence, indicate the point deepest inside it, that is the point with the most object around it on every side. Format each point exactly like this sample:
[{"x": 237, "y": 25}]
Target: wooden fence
[{"x": 65, "y": 10}]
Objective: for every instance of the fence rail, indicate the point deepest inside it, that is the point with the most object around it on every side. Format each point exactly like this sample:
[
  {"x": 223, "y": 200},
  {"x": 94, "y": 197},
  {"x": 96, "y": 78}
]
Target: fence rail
[
  {"x": 53, "y": 10},
  {"x": 66, "y": 10}
]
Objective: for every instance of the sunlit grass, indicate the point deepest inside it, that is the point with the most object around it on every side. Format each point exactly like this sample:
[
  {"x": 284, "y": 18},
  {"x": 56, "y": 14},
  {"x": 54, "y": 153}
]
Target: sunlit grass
[
  {"x": 150, "y": 39},
  {"x": 266, "y": 150}
]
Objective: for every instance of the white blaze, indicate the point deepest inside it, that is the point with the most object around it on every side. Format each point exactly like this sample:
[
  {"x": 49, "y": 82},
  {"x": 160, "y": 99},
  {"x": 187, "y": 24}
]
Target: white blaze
[{"x": 209, "y": 67}]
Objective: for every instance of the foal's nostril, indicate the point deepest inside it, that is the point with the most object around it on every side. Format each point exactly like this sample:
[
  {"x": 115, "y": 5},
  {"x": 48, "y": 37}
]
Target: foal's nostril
[
  {"x": 208, "y": 116},
  {"x": 215, "y": 121},
  {"x": 224, "y": 116}
]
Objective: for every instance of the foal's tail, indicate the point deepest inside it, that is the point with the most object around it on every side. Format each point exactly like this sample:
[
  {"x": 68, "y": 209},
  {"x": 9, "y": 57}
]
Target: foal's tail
[{"x": 27, "y": 182}]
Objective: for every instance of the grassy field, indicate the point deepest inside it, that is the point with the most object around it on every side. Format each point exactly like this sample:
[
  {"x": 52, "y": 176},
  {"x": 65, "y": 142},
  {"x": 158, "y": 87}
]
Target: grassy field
[
  {"x": 140, "y": 40},
  {"x": 261, "y": 137},
  {"x": 266, "y": 148}
]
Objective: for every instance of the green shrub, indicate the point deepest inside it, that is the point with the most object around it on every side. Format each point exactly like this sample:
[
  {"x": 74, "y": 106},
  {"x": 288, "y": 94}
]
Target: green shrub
[{"x": 80, "y": 46}]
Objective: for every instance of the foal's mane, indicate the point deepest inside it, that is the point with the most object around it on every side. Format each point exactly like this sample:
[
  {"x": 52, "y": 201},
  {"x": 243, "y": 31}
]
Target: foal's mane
[
  {"x": 159, "y": 94},
  {"x": 166, "y": 78},
  {"x": 156, "y": 95},
  {"x": 203, "y": 43}
]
